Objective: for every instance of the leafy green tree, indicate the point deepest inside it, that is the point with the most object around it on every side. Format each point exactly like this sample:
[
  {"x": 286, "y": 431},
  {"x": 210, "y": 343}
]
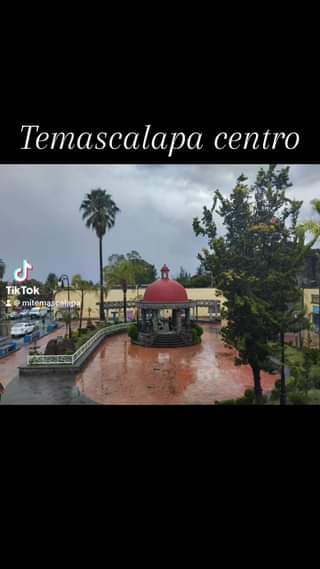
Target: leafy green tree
[
  {"x": 255, "y": 265},
  {"x": 99, "y": 212},
  {"x": 134, "y": 256},
  {"x": 115, "y": 258},
  {"x": 52, "y": 282},
  {"x": 304, "y": 375},
  {"x": 123, "y": 274},
  {"x": 145, "y": 272},
  {"x": 44, "y": 292},
  {"x": 200, "y": 280},
  {"x": 184, "y": 277}
]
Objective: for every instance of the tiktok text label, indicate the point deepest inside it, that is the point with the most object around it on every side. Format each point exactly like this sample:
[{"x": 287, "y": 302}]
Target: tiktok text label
[{"x": 16, "y": 290}]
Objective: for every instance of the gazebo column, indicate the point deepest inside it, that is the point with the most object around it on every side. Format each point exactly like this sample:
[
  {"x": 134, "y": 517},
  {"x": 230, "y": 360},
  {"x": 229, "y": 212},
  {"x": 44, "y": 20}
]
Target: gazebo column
[
  {"x": 155, "y": 320},
  {"x": 174, "y": 318},
  {"x": 143, "y": 319},
  {"x": 187, "y": 318},
  {"x": 178, "y": 321}
]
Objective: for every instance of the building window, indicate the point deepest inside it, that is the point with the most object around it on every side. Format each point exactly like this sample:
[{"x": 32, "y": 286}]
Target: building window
[{"x": 315, "y": 299}]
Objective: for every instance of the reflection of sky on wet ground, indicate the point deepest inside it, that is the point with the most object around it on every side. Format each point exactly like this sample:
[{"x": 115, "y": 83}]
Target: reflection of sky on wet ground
[{"x": 41, "y": 390}]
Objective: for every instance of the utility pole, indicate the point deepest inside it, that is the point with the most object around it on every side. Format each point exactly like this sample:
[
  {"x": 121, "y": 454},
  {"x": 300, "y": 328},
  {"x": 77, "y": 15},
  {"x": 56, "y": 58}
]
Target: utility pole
[{"x": 61, "y": 282}]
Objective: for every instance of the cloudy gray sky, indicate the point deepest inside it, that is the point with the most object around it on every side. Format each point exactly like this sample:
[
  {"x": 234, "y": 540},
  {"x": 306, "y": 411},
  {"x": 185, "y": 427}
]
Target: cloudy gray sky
[{"x": 40, "y": 217}]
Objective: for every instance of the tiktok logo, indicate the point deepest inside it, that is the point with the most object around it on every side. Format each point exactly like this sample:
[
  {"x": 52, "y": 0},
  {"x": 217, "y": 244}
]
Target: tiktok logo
[{"x": 22, "y": 274}]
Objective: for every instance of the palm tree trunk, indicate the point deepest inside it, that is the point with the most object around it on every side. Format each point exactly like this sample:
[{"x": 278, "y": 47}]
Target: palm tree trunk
[
  {"x": 102, "y": 317},
  {"x": 125, "y": 303}
]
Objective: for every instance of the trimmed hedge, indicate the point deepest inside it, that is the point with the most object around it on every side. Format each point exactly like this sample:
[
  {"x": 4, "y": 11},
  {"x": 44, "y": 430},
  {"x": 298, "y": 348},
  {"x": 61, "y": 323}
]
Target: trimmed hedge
[
  {"x": 197, "y": 328},
  {"x": 133, "y": 332},
  {"x": 197, "y": 332}
]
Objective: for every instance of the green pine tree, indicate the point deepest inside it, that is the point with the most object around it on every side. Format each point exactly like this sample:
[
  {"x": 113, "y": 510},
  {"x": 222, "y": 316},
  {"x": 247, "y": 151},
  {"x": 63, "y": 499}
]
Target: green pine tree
[{"x": 255, "y": 265}]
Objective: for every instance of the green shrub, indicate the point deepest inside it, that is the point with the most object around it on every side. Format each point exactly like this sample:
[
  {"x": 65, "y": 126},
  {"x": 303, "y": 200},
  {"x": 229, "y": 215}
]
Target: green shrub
[
  {"x": 133, "y": 332},
  {"x": 298, "y": 398},
  {"x": 81, "y": 331},
  {"x": 249, "y": 395},
  {"x": 196, "y": 339},
  {"x": 315, "y": 376},
  {"x": 291, "y": 384},
  {"x": 197, "y": 328},
  {"x": 275, "y": 395},
  {"x": 243, "y": 401},
  {"x": 264, "y": 400},
  {"x": 249, "y": 398}
]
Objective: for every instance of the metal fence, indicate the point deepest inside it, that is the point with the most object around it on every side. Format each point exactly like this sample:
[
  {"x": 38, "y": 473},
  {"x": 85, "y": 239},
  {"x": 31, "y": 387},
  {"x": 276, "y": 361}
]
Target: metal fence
[{"x": 71, "y": 359}]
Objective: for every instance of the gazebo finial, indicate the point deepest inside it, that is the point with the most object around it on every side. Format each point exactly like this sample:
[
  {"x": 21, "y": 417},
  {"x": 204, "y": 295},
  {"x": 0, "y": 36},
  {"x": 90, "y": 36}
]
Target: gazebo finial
[{"x": 165, "y": 272}]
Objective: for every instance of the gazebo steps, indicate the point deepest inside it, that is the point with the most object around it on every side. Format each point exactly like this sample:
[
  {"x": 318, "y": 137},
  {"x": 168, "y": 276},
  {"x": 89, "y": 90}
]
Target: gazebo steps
[{"x": 168, "y": 341}]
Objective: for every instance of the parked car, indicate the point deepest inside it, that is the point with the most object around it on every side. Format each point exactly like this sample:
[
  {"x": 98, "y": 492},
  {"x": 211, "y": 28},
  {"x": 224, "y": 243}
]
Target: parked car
[
  {"x": 38, "y": 312},
  {"x": 22, "y": 329}
]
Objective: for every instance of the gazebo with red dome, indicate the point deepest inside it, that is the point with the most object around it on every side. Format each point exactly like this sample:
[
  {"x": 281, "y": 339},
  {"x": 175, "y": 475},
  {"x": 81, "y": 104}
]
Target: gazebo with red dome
[{"x": 155, "y": 328}]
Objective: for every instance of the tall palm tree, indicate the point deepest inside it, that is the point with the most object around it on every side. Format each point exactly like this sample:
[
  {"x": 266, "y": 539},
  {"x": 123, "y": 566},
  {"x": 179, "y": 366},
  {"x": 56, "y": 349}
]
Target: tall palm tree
[{"x": 99, "y": 213}]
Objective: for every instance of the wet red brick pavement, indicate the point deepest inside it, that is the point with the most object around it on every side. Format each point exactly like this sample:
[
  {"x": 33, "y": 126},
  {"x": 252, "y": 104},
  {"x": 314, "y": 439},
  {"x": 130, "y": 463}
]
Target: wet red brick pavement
[
  {"x": 122, "y": 373},
  {"x": 9, "y": 365}
]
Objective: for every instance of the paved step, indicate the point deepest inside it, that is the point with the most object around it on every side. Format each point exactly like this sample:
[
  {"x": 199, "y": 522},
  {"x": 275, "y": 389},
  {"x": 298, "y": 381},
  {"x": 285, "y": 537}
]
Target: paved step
[{"x": 168, "y": 340}]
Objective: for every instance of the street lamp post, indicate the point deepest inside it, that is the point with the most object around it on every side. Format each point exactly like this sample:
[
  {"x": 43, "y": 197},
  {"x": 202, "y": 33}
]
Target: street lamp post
[{"x": 61, "y": 283}]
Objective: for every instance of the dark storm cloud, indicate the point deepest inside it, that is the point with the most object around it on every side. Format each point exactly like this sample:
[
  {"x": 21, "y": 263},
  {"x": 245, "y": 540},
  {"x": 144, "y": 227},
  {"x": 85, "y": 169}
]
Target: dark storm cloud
[{"x": 40, "y": 217}]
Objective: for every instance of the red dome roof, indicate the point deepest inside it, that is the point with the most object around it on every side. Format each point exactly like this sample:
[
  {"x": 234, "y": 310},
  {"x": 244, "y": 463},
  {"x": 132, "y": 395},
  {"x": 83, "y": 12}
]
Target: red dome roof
[{"x": 165, "y": 290}]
